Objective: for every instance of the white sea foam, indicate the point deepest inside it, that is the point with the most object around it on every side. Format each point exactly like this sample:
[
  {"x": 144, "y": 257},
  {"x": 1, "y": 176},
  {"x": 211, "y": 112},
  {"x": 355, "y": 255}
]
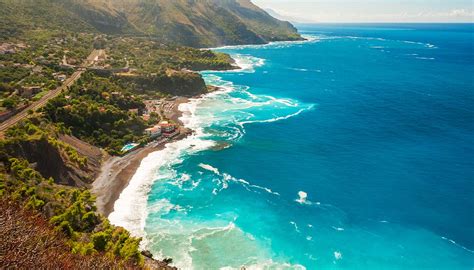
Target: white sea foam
[
  {"x": 277, "y": 118},
  {"x": 213, "y": 231},
  {"x": 244, "y": 63},
  {"x": 456, "y": 244},
  {"x": 199, "y": 114},
  {"x": 267, "y": 264},
  {"x": 295, "y": 225},
  {"x": 425, "y": 58},
  {"x": 181, "y": 237},
  {"x": 210, "y": 168},
  {"x": 130, "y": 209},
  {"x": 162, "y": 206},
  {"x": 299, "y": 69},
  {"x": 186, "y": 240},
  {"x": 309, "y": 38},
  {"x": 248, "y": 63},
  {"x": 303, "y": 199},
  {"x": 226, "y": 178},
  {"x": 185, "y": 177},
  {"x": 184, "y": 182},
  {"x": 425, "y": 45}
]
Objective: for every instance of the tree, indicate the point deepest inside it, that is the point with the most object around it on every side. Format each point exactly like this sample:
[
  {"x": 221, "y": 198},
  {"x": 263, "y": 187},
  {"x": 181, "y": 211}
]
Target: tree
[
  {"x": 100, "y": 240},
  {"x": 10, "y": 103}
]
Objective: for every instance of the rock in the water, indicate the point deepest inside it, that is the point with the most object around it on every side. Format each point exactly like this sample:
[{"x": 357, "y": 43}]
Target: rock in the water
[{"x": 147, "y": 253}]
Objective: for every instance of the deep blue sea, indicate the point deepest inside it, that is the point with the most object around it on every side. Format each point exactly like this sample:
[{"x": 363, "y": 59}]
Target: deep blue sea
[{"x": 352, "y": 150}]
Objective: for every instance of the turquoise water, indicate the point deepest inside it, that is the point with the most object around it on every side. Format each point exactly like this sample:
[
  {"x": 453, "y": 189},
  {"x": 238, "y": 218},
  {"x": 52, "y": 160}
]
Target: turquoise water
[
  {"x": 352, "y": 150},
  {"x": 129, "y": 147}
]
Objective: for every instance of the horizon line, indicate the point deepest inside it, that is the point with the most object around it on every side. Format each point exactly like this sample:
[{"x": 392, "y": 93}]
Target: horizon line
[{"x": 393, "y": 22}]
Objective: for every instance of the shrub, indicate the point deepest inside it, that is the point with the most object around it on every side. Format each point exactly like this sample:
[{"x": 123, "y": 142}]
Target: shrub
[
  {"x": 89, "y": 221},
  {"x": 83, "y": 248},
  {"x": 66, "y": 228},
  {"x": 34, "y": 203},
  {"x": 100, "y": 240}
]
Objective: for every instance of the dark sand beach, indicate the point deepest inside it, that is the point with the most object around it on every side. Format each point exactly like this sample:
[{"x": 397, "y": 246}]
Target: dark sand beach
[{"x": 116, "y": 172}]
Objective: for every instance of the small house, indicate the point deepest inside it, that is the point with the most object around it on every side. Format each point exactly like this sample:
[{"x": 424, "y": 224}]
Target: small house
[
  {"x": 29, "y": 91},
  {"x": 167, "y": 127},
  {"x": 153, "y": 132}
]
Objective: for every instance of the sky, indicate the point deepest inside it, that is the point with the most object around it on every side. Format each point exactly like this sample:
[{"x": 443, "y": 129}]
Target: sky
[{"x": 372, "y": 10}]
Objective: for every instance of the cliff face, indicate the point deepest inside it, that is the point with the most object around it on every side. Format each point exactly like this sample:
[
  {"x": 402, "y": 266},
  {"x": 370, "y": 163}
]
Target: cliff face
[
  {"x": 52, "y": 161},
  {"x": 197, "y": 23}
]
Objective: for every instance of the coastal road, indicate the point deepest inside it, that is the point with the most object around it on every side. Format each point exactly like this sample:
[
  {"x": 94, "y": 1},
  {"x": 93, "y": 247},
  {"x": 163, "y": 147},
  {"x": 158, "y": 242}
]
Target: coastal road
[{"x": 51, "y": 94}]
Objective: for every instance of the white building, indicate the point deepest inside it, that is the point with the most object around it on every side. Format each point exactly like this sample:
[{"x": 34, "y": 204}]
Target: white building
[
  {"x": 167, "y": 127},
  {"x": 153, "y": 132}
]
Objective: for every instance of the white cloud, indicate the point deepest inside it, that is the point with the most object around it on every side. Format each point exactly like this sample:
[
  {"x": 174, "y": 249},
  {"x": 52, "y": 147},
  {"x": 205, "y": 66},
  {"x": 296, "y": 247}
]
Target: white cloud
[
  {"x": 461, "y": 13},
  {"x": 372, "y": 10}
]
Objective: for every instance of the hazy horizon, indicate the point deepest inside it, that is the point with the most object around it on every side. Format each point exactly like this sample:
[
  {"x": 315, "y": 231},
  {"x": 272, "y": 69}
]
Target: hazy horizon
[{"x": 371, "y": 11}]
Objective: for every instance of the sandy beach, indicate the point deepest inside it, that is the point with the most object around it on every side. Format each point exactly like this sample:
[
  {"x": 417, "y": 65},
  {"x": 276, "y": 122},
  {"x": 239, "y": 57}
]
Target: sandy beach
[{"x": 116, "y": 172}]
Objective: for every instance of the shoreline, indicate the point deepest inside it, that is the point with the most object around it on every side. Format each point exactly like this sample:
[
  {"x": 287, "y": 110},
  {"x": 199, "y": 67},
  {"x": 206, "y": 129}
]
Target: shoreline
[{"x": 116, "y": 172}]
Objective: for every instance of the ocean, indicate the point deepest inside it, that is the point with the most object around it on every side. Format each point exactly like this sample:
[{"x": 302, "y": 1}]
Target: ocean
[{"x": 351, "y": 150}]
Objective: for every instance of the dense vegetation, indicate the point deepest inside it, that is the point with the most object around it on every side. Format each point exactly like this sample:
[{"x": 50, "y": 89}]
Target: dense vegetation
[
  {"x": 72, "y": 213},
  {"x": 193, "y": 23},
  {"x": 29, "y": 241},
  {"x": 38, "y": 58},
  {"x": 29, "y": 131},
  {"x": 35, "y": 60},
  {"x": 149, "y": 56},
  {"x": 171, "y": 83},
  {"x": 43, "y": 213},
  {"x": 96, "y": 110},
  {"x": 19, "y": 17}
]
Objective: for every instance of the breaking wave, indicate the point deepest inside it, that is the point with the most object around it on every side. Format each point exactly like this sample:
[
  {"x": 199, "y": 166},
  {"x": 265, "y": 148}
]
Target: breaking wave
[{"x": 166, "y": 226}]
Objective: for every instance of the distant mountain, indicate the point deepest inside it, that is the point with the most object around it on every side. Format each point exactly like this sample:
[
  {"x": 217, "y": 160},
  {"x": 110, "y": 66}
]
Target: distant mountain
[
  {"x": 277, "y": 15},
  {"x": 198, "y": 23},
  {"x": 289, "y": 18}
]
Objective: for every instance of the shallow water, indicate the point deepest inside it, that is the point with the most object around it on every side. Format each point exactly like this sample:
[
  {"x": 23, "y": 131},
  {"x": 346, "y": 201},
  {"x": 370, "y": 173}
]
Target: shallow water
[{"x": 353, "y": 150}]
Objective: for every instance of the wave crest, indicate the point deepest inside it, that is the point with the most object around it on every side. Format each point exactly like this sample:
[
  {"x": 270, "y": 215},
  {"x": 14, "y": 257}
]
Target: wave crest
[{"x": 217, "y": 116}]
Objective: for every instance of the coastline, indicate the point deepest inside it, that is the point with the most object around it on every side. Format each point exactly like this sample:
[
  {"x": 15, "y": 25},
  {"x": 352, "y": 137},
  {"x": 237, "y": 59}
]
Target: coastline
[
  {"x": 116, "y": 172},
  {"x": 128, "y": 207}
]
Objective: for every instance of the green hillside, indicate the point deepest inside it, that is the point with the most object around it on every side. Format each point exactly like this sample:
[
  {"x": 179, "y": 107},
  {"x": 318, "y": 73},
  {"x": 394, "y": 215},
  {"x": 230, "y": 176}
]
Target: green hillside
[{"x": 198, "y": 23}]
